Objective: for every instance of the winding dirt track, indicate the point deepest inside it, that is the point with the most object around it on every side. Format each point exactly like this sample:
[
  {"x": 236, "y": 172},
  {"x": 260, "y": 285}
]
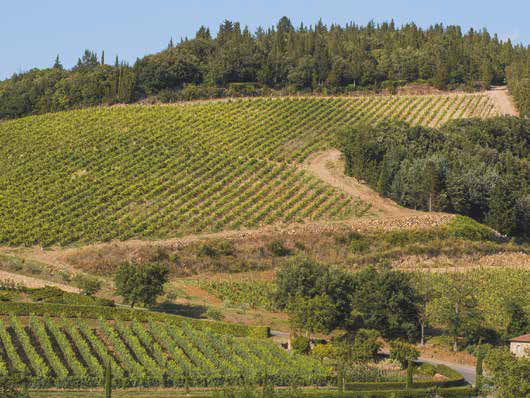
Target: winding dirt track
[{"x": 329, "y": 166}]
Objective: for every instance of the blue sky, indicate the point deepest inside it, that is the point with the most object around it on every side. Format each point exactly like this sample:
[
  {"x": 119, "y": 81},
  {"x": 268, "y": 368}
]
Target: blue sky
[{"x": 33, "y": 32}]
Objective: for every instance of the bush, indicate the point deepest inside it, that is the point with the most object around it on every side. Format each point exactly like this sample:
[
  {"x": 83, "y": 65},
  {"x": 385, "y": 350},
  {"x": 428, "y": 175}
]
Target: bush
[
  {"x": 214, "y": 313},
  {"x": 301, "y": 345},
  {"x": 88, "y": 284},
  {"x": 277, "y": 249},
  {"x": 467, "y": 228},
  {"x": 403, "y": 352},
  {"x": 215, "y": 249}
]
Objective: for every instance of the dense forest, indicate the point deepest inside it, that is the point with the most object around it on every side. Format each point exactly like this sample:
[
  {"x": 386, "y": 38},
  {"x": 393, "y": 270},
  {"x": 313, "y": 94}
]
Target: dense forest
[
  {"x": 478, "y": 168},
  {"x": 282, "y": 59}
]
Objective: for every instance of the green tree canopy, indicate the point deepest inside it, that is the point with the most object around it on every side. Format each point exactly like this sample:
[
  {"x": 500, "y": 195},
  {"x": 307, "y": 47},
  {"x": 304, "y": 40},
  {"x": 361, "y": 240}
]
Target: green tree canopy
[{"x": 140, "y": 284}]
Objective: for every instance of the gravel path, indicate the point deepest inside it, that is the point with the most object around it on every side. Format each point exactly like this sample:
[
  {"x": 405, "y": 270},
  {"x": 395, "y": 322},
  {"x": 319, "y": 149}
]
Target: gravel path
[{"x": 465, "y": 370}]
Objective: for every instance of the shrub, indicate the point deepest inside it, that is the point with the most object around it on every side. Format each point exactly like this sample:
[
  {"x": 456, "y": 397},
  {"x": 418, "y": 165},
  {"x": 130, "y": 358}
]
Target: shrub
[
  {"x": 467, "y": 228},
  {"x": 88, "y": 284},
  {"x": 301, "y": 345},
  {"x": 215, "y": 249},
  {"x": 359, "y": 245},
  {"x": 215, "y": 314},
  {"x": 207, "y": 250},
  {"x": 277, "y": 249},
  {"x": 403, "y": 352}
]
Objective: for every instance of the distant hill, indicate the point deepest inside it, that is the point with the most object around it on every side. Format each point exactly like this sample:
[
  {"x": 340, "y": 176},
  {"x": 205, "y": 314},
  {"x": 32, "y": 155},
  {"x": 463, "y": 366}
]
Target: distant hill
[
  {"x": 164, "y": 171},
  {"x": 329, "y": 60}
]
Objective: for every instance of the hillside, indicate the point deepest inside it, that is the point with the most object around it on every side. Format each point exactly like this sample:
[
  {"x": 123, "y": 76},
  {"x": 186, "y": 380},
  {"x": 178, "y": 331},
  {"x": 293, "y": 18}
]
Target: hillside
[
  {"x": 279, "y": 60},
  {"x": 163, "y": 171}
]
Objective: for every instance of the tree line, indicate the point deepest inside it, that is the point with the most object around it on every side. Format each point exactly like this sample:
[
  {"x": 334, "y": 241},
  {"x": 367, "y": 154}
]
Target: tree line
[
  {"x": 478, "y": 168},
  {"x": 326, "y": 59},
  {"x": 395, "y": 304}
]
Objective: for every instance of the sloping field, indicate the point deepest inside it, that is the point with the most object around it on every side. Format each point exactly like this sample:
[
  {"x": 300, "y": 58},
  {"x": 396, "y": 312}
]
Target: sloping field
[
  {"x": 71, "y": 353},
  {"x": 164, "y": 171}
]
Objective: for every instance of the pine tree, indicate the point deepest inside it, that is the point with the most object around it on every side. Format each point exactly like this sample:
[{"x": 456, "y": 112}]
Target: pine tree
[
  {"x": 433, "y": 182},
  {"x": 103, "y": 57},
  {"x": 57, "y": 64},
  {"x": 502, "y": 215},
  {"x": 117, "y": 62}
]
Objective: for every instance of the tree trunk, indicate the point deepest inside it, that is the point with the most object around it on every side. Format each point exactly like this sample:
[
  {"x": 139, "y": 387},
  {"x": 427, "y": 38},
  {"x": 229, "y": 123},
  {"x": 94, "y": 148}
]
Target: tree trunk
[{"x": 422, "y": 343}]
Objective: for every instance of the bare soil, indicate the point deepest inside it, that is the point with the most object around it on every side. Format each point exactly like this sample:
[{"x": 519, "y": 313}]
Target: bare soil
[
  {"x": 31, "y": 282},
  {"x": 503, "y": 100}
]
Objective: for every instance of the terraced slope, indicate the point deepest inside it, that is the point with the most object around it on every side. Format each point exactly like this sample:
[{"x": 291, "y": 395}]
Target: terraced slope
[
  {"x": 71, "y": 353},
  {"x": 164, "y": 171}
]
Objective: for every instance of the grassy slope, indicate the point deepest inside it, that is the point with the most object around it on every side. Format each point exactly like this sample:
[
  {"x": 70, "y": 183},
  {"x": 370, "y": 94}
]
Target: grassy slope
[{"x": 164, "y": 171}]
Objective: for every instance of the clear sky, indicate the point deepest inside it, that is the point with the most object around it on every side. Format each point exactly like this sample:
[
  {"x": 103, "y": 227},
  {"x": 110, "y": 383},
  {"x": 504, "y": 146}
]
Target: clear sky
[{"x": 33, "y": 32}]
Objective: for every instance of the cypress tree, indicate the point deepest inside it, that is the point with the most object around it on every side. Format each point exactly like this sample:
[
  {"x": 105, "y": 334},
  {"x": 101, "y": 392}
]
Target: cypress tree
[
  {"x": 108, "y": 379},
  {"x": 410, "y": 376},
  {"x": 103, "y": 57},
  {"x": 478, "y": 369},
  {"x": 57, "y": 64}
]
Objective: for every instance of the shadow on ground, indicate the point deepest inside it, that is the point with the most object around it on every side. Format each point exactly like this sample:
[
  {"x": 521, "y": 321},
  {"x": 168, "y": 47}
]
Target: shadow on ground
[{"x": 187, "y": 310}]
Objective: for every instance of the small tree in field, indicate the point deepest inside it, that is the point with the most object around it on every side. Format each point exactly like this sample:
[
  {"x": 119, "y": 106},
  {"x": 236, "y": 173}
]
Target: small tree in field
[
  {"x": 140, "y": 284},
  {"x": 403, "y": 352}
]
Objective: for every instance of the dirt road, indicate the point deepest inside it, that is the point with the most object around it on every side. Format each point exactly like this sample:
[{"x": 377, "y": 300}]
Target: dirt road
[
  {"x": 505, "y": 103},
  {"x": 329, "y": 167}
]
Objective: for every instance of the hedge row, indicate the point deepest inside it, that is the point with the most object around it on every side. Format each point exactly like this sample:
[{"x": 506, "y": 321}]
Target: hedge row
[
  {"x": 455, "y": 379},
  {"x": 460, "y": 392},
  {"x": 455, "y": 392},
  {"x": 129, "y": 314}
]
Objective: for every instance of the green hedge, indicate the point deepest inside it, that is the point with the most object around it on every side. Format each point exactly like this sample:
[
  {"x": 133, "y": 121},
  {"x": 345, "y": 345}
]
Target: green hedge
[
  {"x": 455, "y": 379},
  {"x": 464, "y": 392},
  {"x": 128, "y": 314},
  {"x": 455, "y": 392}
]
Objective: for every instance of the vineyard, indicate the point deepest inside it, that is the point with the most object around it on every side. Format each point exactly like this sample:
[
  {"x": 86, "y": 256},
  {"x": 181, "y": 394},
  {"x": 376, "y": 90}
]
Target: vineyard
[
  {"x": 257, "y": 294},
  {"x": 162, "y": 171},
  {"x": 70, "y": 353}
]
